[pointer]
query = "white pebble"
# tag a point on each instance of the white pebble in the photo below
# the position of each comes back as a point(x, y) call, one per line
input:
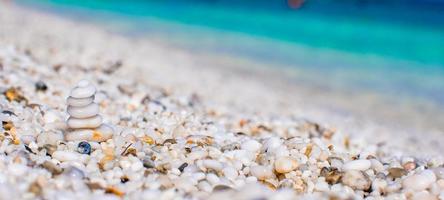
point(251, 145)
point(83, 92)
point(212, 164)
point(84, 111)
point(66, 156)
point(91, 122)
point(230, 173)
point(360, 165)
point(51, 116)
point(80, 102)
point(419, 182)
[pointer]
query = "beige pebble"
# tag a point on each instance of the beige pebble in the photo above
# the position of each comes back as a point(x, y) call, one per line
point(356, 179)
point(285, 164)
point(261, 172)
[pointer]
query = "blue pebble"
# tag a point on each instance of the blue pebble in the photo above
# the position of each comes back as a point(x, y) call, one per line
point(84, 148)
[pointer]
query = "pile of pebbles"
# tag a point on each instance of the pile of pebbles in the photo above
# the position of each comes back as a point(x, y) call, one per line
point(165, 145)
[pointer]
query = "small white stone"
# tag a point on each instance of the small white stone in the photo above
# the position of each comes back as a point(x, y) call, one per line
point(230, 173)
point(423, 195)
point(17, 169)
point(439, 172)
point(321, 186)
point(100, 134)
point(379, 185)
point(51, 116)
point(285, 164)
point(419, 182)
point(213, 178)
point(212, 164)
point(83, 83)
point(66, 156)
point(251, 145)
point(376, 165)
point(360, 165)
point(79, 102)
point(92, 122)
point(261, 172)
point(84, 111)
point(83, 92)
point(49, 138)
point(136, 166)
point(205, 186)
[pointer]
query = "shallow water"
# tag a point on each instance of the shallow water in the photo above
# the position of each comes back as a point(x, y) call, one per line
point(394, 51)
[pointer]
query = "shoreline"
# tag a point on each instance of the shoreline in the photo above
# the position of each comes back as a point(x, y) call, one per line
point(186, 127)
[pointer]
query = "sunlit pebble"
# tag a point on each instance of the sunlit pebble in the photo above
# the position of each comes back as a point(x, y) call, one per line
point(356, 180)
point(73, 172)
point(419, 182)
point(261, 172)
point(360, 165)
point(285, 164)
point(251, 145)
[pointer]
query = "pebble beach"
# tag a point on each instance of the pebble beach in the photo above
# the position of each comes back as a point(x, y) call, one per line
point(168, 128)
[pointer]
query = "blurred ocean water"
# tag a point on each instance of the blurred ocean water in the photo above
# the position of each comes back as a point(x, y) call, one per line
point(390, 47)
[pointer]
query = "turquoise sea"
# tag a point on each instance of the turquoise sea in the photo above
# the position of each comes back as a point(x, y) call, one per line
point(389, 47)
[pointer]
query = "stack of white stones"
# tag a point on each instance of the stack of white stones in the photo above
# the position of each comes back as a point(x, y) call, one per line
point(84, 120)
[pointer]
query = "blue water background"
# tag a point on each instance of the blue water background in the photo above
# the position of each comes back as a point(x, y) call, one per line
point(393, 47)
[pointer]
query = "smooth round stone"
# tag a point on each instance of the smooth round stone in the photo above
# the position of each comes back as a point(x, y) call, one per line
point(285, 164)
point(49, 138)
point(419, 182)
point(74, 172)
point(83, 92)
point(439, 172)
point(261, 172)
point(92, 122)
point(83, 83)
point(78, 102)
point(356, 180)
point(66, 155)
point(230, 173)
point(212, 164)
point(360, 165)
point(51, 116)
point(84, 112)
point(100, 134)
point(423, 195)
point(251, 145)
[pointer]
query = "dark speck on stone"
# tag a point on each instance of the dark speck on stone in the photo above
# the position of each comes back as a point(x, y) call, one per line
point(182, 167)
point(148, 163)
point(7, 112)
point(84, 148)
point(41, 86)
